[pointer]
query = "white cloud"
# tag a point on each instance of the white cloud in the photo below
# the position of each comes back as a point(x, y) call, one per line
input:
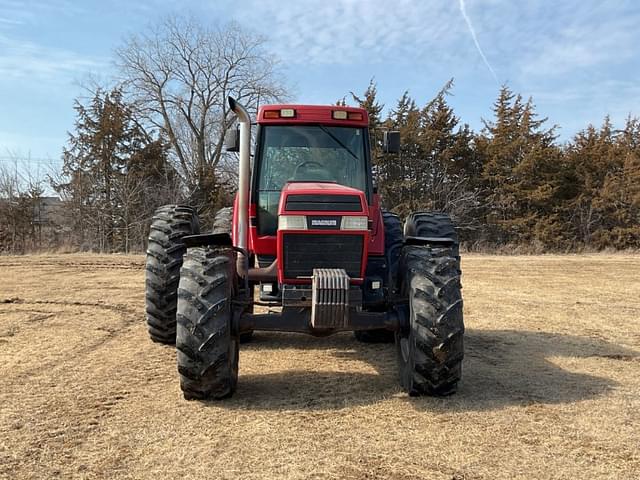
point(21, 58)
point(356, 31)
point(25, 59)
point(578, 59)
point(541, 38)
point(32, 11)
point(588, 103)
point(581, 46)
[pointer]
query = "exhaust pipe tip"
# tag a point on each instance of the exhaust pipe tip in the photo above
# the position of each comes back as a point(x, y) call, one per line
point(232, 103)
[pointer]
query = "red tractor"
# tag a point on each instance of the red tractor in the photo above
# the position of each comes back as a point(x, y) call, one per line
point(308, 232)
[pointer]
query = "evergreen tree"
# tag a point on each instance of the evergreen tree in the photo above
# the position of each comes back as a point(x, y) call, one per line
point(521, 165)
point(436, 160)
point(108, 171)
point(370, 103)
point(604, 210)
point(399, 172)
point(449, 165)
point(511, 183)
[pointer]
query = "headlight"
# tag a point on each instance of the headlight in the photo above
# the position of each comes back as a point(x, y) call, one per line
point(354, 223)
point(292, 222)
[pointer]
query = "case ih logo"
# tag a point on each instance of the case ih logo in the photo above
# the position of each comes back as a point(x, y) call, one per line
point(324, 222)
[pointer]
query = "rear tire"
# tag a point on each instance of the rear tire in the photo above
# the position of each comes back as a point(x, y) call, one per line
point(432, 225)
point(206, 343)
point(393, 240)
point(430, 347)
point(164, 258)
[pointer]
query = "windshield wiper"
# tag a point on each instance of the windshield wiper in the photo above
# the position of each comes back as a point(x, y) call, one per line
point(337, 140)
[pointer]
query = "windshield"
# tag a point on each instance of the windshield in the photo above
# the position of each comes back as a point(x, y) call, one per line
point(315, 153)
point(312, 153)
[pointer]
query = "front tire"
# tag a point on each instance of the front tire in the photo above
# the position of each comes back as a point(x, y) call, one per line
point(430, 347)
point(162, 270)
point(206, 342)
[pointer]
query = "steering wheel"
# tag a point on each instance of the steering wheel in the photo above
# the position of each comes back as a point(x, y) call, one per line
point(308, 163)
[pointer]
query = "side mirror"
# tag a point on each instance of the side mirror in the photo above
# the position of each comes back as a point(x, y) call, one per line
point(391, 142)
point(232, 140)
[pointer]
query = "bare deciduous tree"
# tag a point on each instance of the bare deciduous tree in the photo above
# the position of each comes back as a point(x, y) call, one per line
point(180, 74)
point(20, 209)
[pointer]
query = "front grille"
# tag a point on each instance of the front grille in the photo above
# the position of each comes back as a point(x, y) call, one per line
point(304, 252)
point(323, 203)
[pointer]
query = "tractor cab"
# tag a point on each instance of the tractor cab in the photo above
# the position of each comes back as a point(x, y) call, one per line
point(311, 202)
point(297, 152)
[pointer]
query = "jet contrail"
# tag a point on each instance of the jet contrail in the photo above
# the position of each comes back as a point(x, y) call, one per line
point(475, 39)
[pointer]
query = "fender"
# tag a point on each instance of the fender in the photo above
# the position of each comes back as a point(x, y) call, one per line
point(434, 241)
point(207, 240)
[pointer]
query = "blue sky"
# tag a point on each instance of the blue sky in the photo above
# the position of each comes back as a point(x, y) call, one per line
point(578, 59)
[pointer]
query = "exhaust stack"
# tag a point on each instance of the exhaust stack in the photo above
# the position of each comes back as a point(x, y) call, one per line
point(242, 265)
point(243, 183)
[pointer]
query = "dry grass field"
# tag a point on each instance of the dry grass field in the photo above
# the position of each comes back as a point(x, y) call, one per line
point(551, 384)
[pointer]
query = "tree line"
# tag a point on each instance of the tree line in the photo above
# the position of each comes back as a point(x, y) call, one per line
point(156, 136)
point(512, 184)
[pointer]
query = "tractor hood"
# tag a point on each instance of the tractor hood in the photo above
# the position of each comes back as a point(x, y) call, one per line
point(300, 198)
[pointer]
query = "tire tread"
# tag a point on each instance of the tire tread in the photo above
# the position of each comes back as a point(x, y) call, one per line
point(165, 250)
point(204, 331)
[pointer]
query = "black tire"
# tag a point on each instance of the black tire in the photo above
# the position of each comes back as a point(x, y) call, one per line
point(162, 270)
point(393, 240)
point(432, 224)
point(430, 347)
point(206, 343)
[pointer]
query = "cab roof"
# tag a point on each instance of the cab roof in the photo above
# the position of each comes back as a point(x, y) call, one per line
point(312, 114)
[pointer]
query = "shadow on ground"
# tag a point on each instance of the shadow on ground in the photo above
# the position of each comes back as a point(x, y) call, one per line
point(501, 368)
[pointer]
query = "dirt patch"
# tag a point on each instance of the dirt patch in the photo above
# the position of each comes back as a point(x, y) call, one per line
point(551, 384)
